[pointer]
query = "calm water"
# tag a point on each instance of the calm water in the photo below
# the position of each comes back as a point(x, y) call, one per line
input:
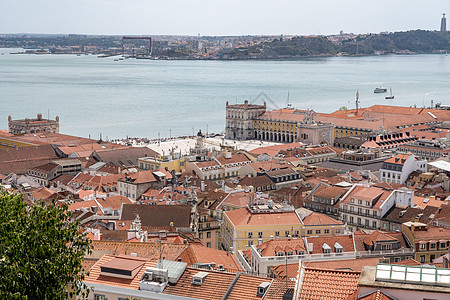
point(141, 98)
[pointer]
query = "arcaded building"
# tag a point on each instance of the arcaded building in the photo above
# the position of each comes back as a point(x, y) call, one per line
point(240, 120)
point(33, 125)
point(250, 121)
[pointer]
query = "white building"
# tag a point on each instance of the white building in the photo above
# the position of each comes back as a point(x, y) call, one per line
point(397, 169)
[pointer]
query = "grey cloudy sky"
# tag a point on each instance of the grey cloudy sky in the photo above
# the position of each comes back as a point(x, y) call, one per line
point(212, 17)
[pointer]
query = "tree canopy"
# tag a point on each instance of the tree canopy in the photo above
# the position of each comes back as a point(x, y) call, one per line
point(41, 251)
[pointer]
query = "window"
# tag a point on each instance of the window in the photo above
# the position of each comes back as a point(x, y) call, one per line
point(397, 259)
point(200, 235)
point(277, 233)
point(250, 243)
point(432, 245)
point(250, 235)
point(260, 234)
point(99, 297)
point(432, 257)
point(318, 231)
point(422, 259)
point(287, 233)
point(296, 233)
point(326, 231)
point(374, 224)
point(337, 231)
point(208, 244)
point(359, 201)
point(208, 234)
point(423, 246)
point(443, 245)
point(386, 247)
point(309, 231)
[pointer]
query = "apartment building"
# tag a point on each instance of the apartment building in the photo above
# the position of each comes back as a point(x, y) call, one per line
point(363, 205)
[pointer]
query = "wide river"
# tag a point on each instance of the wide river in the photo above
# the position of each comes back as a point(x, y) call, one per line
point(144, 98)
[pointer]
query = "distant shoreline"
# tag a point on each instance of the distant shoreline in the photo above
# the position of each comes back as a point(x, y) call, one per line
point(292, 58)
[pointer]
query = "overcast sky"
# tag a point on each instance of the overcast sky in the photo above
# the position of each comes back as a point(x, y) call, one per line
point(212, 17)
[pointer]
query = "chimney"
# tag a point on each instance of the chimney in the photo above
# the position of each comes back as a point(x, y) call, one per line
point(202, 186)
point(445, 261)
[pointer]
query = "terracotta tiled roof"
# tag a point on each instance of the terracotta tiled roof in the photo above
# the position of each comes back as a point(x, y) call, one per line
point(235, 158)
point(378, 236)
point(242, 217)
point(346, 241)
point(83, 204)
point(43, 193)
point(431, 233)
point(270, 248)
point(95, 276)
point(399, 159)
point(214, 285)
point(147, 250)
point(343, 265)
point(273, 150)
point(279, 288)
point(329, 192)
point(114, 202)
point(280, 271)
point(47, 138)
point(320, 219)
point(158, 215)
point(246, 287)
point(443, 214)
point(283, 115)
point(202, 254)
point(124, 157)
point(19, 160)
point(257, 181)
point(328, 284)
point(407, 262)
point(360, 237)
point(239, 199)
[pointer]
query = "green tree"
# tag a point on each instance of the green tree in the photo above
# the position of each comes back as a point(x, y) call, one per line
point(41, 251)
point(343, 108)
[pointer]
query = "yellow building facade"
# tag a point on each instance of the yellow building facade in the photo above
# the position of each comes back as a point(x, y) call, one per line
point(161, 162)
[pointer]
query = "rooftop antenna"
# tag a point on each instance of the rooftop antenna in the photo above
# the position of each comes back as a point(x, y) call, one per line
point(48, 114)
point(357, 101)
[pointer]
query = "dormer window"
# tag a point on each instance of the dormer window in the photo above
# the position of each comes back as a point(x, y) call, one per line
point(326, 248)
point(338, 248)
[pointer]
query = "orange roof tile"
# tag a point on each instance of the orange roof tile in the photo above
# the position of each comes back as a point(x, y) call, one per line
point(273, 150)
point(346, 241)
point(246, 286)
point(202, 254)
point(343, 265)
point(147, 250)
point(114, 202)
point(95, 276)
point(316, 218)
point(242, 217)
point(214, 285)
point(270, 248)
point(328, 284)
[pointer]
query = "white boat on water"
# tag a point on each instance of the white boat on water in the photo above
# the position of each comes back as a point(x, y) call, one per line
point(390, 96)
point(379, 90)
